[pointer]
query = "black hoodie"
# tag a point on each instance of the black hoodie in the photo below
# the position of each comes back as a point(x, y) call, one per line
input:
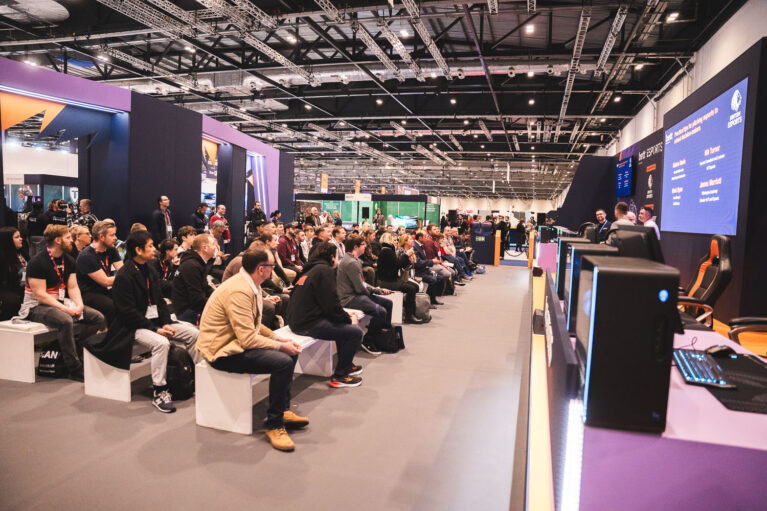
point(190, 287)
point(314, 298)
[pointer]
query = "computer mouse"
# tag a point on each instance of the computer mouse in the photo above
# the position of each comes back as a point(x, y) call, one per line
point(720, 351)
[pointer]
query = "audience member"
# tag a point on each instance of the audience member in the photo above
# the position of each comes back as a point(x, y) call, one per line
point(645, 216)
point(339, 235)
point(301, 242)
point(135, 227)
point(143, 318)
point(96, 265)
point(368, 259)
point(287, 249)
point(165, 264)
point(307, 244)
point(423, 268)
point(256, 218)
point(390, 265)
point(603, 225)
point(631, 217)
point(86, 218)
point(52, 297)
point(281, 275)
point(233, 338)
point(161, 224)
point(197, 219)
point(36, 223)
point(337, 218)
point(379, 220)
point(316, 311)
point(220, 216)
point(313, 218)
point(323, 233)
point(190, 289)
point(451, 255)
point(81, 237)
point(431, 251)
point(621, 210)
point(186, 235)
point(355, 293)
point(13, 269)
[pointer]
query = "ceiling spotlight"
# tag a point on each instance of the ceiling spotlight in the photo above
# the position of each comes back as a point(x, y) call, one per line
point(367, 135)
point(529, 29)
point(530, 74)
point(342, 123)
point(379, 101)
point(404, 122)
point(292, 39)
point(638, 66)
point(531, 101)
point(533, 148)
point(404, 33)
point(482, 146)
point(488, 154)
point(30, 62)
point(617, 99)
point(603, 119)
point(308, 107)
point(284, 125)
point(465, 122)
point(433, 74)
point(336, 159)
point(476, 136)
point(453, 101)
point(673, 16)
point(190, 49)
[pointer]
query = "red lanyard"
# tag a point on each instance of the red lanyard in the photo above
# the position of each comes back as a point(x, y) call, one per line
point(56, 267)
point(105, 267)
point(148, 293)
point(165, 267)
point(22, 262)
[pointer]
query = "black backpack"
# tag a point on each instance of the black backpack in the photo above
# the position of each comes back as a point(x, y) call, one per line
point(51, 363)
point(180, 373)
point(389, 340)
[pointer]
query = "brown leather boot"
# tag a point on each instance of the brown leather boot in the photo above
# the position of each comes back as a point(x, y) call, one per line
point(280, 439)
point(294, 421)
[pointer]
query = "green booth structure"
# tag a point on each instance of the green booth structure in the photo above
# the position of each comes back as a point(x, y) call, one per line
point(409, 211)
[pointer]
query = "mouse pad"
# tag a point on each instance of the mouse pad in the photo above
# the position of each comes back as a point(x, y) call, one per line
point(750, 375)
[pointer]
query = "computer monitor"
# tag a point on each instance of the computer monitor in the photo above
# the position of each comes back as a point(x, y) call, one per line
point(563, 255)
point(572, 279)
point(637, 241)
point(590, 233)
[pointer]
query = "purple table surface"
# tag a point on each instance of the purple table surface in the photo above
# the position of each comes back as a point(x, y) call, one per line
point(547, 257)
point(709, 457)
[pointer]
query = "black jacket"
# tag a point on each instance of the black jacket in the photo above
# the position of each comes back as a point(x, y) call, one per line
point(157, 226)
point(603, 230)
point(9, 275)
point(256, 217)
point(389, 265)
point(422, 264)
point(129, 294)
point(190, 287)
point(198, 222)
point(165, 275)
point(315, 298)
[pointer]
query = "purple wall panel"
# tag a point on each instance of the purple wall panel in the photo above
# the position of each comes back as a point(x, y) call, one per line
point(44, 81)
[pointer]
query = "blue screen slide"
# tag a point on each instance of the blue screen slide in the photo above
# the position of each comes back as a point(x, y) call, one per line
point(623, 178)
point(701, 167)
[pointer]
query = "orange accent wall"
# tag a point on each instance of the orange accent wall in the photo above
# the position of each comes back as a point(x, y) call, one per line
point(15, 108)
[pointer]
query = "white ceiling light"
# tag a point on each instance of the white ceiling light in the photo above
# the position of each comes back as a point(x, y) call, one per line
point(530, 74)
point(404, 33)
point(379, 101)
point(529, 29)
point(308, 107)
point(531, 101)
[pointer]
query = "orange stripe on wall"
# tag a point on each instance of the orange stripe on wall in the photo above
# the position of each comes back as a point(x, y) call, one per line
point(652, 167)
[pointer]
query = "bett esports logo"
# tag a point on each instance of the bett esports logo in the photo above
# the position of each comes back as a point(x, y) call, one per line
point(737, 99)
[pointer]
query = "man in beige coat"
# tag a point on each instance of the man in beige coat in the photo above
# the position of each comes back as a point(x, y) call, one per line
point(233, 339)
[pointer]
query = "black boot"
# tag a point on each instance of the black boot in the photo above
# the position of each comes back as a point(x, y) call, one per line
point(412, 320)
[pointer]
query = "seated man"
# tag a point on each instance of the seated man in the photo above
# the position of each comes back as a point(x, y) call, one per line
point(190, 289)
point(431, 251)
point(96, 265)
point(423, 269)
point(323, 233)
point(315, 311)
point(217, 264)
point(355, 293)
point(449, 254)
point(339, 235)
point(287, 249)
point(186, 235)
point(232, 338)
point(52, 297)
point(143, 318)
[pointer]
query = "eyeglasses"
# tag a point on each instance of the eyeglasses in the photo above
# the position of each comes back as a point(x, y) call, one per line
point(267, 265)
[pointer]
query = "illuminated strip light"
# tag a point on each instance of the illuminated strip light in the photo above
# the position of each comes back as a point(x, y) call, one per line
point(402, 51)
point(262, 172)
point(571, 480)
point(331, 10)
point(71, 102)
point(486, 131)
point(376, 50)
point(457, 144)
point(257, 14)
point(592, 314)
point(423, 32)
point(183, 15)
point(612, 36)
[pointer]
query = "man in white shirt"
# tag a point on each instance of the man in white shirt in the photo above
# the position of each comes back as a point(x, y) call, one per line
point(645, 216)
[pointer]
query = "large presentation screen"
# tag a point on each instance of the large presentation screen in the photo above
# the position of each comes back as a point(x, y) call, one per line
point(701, 167)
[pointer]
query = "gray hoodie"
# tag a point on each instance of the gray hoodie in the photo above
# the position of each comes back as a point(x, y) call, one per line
point(350, 281)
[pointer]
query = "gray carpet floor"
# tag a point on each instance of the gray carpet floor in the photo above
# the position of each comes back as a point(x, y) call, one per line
point(431, 427)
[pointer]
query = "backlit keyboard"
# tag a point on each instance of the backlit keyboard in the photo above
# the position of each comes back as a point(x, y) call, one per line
point(700, 368)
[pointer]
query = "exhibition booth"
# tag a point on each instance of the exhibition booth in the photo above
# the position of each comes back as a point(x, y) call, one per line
point(69, 138)
point(627, 402)
point(409, 211)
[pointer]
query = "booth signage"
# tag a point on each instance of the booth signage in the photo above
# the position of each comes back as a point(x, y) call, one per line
point(356, 186)
point(360, 197)
point(324, 183)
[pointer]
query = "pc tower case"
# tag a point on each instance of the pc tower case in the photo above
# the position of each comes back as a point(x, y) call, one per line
point(563, 254)
point(572, 276)
point(627, 316)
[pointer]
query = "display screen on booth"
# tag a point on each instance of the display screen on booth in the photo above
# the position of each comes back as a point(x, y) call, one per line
point(702, 164)
point(623, 177)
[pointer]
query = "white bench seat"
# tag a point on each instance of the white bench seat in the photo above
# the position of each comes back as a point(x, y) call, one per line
point(109, 382)
point(396, 298)
point(17, 351)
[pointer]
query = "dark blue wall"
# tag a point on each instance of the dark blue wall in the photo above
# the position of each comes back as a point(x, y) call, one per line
point(285, 195)
point(230, 190)
point(593, 187)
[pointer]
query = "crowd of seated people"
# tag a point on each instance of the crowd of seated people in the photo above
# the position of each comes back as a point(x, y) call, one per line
point(162, 286)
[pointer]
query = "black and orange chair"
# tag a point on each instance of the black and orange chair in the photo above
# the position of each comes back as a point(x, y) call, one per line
point(697, 300)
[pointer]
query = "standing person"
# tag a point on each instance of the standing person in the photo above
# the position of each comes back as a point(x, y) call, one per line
point(143, 318)
point(645, 216)
point(220, 216)
point(443, 222)
point(337, 219)
point(13, 271)
point(303, 246)
point(161, 227)
point(521, 232)
point(233, 338)
point(52, 297)
point(355, 293)
point(315, 311)
point(96, 266)
point(190, 289)
point(379, 220)
point(256, 218)
point(287, 249)
point(86, 217)
point(390, 264)
point(198, 220)
point(503, 226)
point(313, 218)
point(36, 222)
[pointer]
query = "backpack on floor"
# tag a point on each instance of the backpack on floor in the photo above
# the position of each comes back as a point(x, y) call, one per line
point(400, 337)
point(422, 306)
point(180, 373)
point(480, 269)
point(385, 340)
point(51, 362)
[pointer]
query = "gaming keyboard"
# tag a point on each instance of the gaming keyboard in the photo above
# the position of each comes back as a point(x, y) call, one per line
point(700, 368)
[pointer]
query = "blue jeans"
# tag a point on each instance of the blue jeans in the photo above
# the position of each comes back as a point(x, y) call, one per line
point(348, 338)
point(459, 265)
point(378, 308)
point(265, 361)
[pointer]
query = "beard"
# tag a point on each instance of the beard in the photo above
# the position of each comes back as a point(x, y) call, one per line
point(66, 247)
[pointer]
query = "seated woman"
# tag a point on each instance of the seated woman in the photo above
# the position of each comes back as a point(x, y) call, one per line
point(165, 264)
point(390, 264)
point(13, 267)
